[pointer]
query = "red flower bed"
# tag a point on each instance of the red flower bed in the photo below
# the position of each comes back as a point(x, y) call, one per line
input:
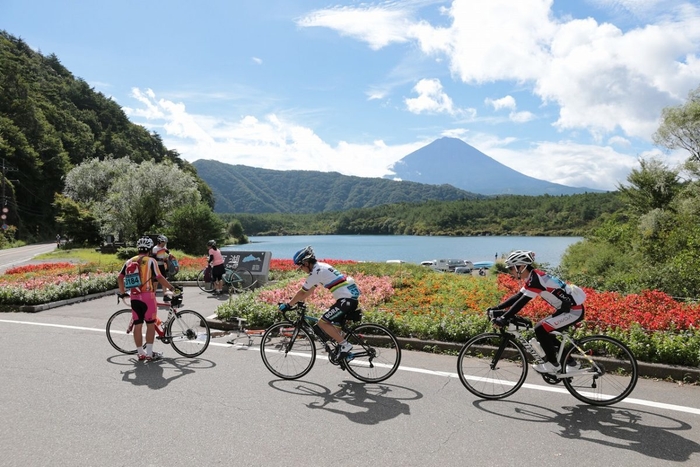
point(43, 268)
point(652, 310)
point(278, 264)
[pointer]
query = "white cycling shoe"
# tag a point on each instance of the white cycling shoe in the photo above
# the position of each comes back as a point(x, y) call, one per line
point(547, 367)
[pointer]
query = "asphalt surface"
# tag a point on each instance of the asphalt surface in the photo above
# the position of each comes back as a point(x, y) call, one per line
point(68, 398)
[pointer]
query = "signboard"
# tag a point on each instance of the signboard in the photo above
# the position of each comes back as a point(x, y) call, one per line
point(257, 262)
point(5, 226)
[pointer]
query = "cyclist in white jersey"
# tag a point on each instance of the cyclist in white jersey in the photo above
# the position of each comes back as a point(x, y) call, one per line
point(343, 288)
point(567, 299)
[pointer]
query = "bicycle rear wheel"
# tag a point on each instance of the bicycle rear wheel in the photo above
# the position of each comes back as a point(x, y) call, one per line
point(189, 333)
point(605, 371)
point(286, 351)
point(240, 280)
point(202, 284)
point(492, 366)
point(376, 353)
point(117, 335)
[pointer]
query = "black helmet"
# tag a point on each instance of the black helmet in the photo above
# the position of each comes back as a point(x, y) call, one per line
point(211, 243)
point(303, 255)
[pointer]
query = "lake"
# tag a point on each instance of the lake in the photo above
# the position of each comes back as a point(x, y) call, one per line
point(409, 248)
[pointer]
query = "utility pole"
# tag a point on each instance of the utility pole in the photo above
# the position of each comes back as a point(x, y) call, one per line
point(5, 209)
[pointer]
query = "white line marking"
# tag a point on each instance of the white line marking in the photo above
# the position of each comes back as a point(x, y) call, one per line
point(629, 400)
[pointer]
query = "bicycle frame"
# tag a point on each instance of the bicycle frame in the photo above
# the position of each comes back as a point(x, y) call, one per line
point(329, 345)
point(565, 339)
point(161, 326)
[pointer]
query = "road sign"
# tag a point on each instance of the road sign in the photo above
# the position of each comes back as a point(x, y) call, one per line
point(5, 210)
point(5, 226)
point(3, 217)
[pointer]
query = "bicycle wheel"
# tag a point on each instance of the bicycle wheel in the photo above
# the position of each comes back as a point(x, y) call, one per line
point(605, 372)
point(202, 284)
point(119, 334)
point(189, 333)
point(240, 280)
point(376, 353)
point(287, 352)
point(492, 366)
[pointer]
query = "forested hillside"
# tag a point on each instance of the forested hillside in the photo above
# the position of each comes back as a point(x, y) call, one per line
point(242, 189)
point(51, 121)
point(505, 215)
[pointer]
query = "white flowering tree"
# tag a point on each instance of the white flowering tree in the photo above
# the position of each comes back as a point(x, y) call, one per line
point(128, 198)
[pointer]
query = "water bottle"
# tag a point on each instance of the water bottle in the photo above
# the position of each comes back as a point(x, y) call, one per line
point(536, 345)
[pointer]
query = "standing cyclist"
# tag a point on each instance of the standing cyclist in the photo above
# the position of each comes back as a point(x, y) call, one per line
point(216, 261)
point(567, 300)
point(343, 288)
point(138, 275)
point(161, 254)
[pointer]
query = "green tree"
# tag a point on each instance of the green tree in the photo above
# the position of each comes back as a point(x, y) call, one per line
point(680, 126)
point(192, 226)
point(76, 221)
point(653, 186)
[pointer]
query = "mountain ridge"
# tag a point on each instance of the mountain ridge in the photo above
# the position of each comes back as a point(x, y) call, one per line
point(452, 161)
point(244, 189)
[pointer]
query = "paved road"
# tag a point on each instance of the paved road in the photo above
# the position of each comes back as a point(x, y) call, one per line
point(16, 256)
point(67, 398)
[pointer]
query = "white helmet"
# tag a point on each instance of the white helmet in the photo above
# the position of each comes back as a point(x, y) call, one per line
point(162, 239)
point(520, 257)
point(144, 243)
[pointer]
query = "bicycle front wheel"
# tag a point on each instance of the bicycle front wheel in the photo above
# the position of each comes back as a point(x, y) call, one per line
point(240, 280)
point(376, 353)
point(492, 366)
point(604, 372)
point(189, 333)
point(286, 351)
point(202, 284)
point(119, 332)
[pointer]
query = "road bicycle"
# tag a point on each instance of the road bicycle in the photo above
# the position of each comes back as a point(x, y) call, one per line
point(237, 280)
point(288, 348)
point(598, 370)
point(185, 330)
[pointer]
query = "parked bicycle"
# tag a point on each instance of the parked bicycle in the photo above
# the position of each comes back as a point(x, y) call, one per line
point(185, 330)
point(237, 280)
point(597, 370)
point(288, 348)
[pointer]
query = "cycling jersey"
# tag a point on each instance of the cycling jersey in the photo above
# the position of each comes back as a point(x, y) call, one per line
point(139, 273)
point(553, 290)
point(340, 285)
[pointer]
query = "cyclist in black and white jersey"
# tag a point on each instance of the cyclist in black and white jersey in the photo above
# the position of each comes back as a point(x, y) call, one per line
point(566, 299)
point(343, 288)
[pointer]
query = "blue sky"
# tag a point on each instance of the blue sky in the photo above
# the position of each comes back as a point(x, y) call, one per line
point(565, 91)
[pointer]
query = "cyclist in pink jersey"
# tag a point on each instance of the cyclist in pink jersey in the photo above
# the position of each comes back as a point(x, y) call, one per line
point(138, 275)
point(216, 261)
point(567, 299)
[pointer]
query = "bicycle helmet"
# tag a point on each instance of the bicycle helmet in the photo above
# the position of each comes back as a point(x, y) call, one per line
point(520, 257)
point(162, 239)
point(303, 255)
point(144, 243)
point(211, 243)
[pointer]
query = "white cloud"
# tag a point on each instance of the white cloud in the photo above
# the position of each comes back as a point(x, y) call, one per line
point(257, 60)
point(270, 142)
point(563, 162)
point(431, 98)
point(507, 102)
point(378, 26)
point(601, 78)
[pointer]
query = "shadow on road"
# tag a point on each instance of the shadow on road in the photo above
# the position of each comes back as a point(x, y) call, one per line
point(153, 374)
point(376, 402)
point(646, 433)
